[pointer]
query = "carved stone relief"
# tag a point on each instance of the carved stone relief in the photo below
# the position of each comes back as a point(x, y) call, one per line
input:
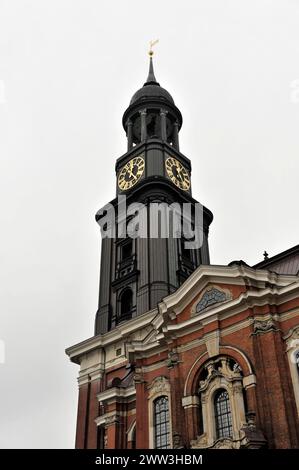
point(211, 296)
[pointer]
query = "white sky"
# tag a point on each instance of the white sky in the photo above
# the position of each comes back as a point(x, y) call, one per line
point(69, 69)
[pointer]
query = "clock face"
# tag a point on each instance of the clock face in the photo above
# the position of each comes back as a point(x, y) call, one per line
point(131, 173)
point(178, 174)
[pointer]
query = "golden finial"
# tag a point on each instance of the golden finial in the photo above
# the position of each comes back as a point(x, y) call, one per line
point(152, 44)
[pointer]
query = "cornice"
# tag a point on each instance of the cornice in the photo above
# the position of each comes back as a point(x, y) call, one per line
point(233, 275)
point(228, 309)
point(117, 334)
point(266, 288)
point(116, 393)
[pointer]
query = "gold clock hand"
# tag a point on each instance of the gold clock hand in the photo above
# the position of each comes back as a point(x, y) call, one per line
point(132, 174)
point(178, 171)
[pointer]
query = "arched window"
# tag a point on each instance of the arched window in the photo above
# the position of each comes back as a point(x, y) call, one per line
point(126, 304)
point(161, 423)
point(221, 405)
point(223, 416)
point(126, 250)
point(187, 254)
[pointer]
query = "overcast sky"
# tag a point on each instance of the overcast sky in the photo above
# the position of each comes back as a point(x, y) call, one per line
point(68, 69)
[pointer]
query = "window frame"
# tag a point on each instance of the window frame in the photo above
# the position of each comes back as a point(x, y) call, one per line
point(220, 434)
point(126, 314)
point(164, 421)
point(292, 343)
point(160, 386)
point(232, 383)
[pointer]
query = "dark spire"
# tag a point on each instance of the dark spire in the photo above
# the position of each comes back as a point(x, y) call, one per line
point(151, 79)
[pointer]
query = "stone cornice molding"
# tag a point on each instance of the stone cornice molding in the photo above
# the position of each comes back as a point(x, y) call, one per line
point(121, 332)
point(116, 394)
point(267, 288)
point(108, 419)
point(238, 275)
point(249, 299)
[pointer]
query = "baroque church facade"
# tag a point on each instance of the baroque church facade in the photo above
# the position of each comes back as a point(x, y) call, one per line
point(185, 354)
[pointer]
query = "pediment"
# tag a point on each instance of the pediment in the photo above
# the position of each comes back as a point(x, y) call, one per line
point(209, 293)
point(215, 287)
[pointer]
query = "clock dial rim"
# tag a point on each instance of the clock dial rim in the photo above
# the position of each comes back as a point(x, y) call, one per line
point(126, 184)
point(185, 184)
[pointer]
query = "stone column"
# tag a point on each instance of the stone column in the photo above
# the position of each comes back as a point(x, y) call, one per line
point(163, 113)
point(93, 411)
point(278, 422)
point(191, 411)
point(143, 125)
point(130, 134)
point(177, 411)
point(90, 384)
point(237, 407)
point(81, 434)
point(176, 135)
point(88, 409)
point(142, 425)
point(249, 384)
point(112, 435)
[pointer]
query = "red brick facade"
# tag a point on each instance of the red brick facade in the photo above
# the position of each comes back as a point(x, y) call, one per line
point(186, 350)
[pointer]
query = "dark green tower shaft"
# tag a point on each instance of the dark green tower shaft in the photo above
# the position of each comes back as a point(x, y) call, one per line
point(136, 273)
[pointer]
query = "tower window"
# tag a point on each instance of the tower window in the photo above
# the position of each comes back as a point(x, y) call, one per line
point(223, 416)
point(187, 228)
point(186, 252)
point(126, 250)
point(126, 304)
point(161, 423)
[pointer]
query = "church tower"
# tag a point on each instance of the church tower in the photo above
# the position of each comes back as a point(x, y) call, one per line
point(137, 272)
point(185, 355)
